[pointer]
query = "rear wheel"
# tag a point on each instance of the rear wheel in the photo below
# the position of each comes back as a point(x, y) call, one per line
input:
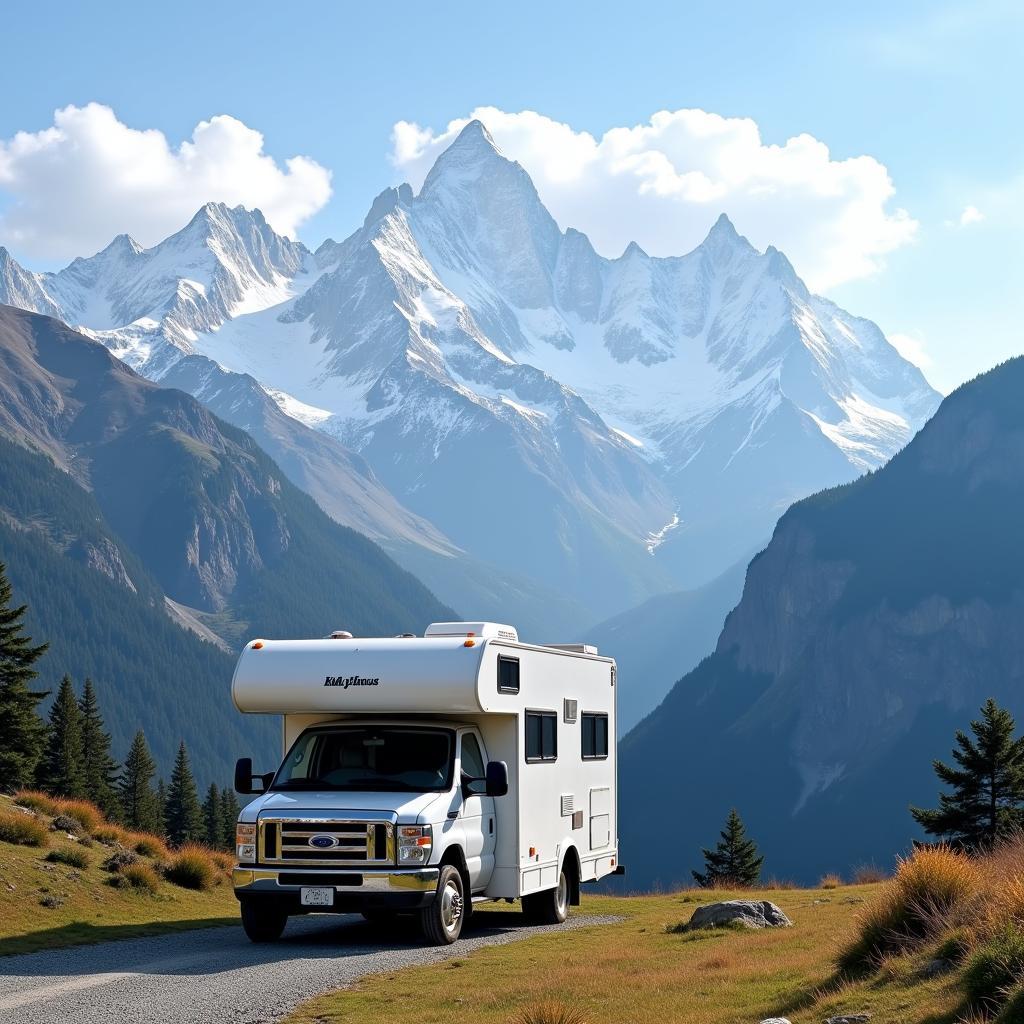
point(442, 921)
point(263, 921)
point(550, 906)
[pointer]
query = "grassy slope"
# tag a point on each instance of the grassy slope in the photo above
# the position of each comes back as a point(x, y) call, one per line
point(633, 971)
point(91, 909)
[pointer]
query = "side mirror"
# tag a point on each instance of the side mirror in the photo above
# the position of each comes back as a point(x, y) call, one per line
point(497, 778)
point(244, 777)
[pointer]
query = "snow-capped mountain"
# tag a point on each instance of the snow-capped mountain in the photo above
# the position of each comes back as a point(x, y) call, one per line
point(611, 427)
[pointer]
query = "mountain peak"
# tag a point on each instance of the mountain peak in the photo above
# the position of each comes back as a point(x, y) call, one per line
point(475, 134)
point(468, 158)
point(724, 238)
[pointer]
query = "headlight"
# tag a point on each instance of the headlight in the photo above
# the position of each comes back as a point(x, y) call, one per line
point(415, 843)
point(245, 842)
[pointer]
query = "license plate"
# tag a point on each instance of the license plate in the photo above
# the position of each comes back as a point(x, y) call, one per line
point(319, 897)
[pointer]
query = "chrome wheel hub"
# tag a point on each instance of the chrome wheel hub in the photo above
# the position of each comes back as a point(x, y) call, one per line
point(451, 906)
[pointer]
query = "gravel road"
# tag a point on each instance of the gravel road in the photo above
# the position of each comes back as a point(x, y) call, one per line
point(217, 975)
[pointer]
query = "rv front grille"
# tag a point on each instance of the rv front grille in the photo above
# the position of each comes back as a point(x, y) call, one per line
point(323, 843)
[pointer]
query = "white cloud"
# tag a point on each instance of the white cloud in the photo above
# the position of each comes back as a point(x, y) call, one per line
point(71, 187)
point(663, 183)
point(970, 215)
point(912, 347)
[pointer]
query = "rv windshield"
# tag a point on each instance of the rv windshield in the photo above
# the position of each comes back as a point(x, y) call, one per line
point(381, 758)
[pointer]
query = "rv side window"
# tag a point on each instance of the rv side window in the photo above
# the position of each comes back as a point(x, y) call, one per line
point(508, 674)
point(595, 735)
point(541, 736)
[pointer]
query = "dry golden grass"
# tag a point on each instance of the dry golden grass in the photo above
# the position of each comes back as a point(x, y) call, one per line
point(87, 814)
point(191, 867)
point(83, 906)
point(830, 881)
point(139, 876)
point(631, 971)
point(36, 800)
point(868, 874)
point(551, 1013)
point(930, 893)
point(22, 828)
point(147, 845)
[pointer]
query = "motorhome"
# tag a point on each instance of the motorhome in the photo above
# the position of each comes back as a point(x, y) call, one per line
point(423, 775)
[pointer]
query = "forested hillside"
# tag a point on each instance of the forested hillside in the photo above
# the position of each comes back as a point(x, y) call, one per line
point(133, 493)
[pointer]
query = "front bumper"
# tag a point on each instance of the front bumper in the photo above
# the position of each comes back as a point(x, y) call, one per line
point(354, 891)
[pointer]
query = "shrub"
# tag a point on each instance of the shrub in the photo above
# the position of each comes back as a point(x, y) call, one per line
point(551, 1013)
point(920, 902)
point(830, 881)
point(65, 823)
point(111, 835)
point(223, 860)
point(71, 856)
point(22, 829)
point(88, 815)
point(137, 876)
point(994, 968)
point(120, 860)
point(148, 845)
point(780, 884)
point(36, 800)
point(191, 867)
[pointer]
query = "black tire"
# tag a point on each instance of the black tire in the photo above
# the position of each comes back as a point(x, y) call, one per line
point(263, 921)
point(441, 922)
point(550, 906)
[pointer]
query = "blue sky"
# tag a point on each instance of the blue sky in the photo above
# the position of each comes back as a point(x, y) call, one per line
point(929, 91)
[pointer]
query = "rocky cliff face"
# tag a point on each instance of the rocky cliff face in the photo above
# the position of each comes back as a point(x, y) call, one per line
point(881, 614)
point(211, 517)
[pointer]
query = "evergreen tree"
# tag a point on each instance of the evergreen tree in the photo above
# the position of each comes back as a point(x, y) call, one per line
point(229, 811)
point(99, 769)
point(987, 798)
point(161, 806)
point(211, 816)
point(135, 788)
point(61, 770)
point(22, 731)
point(184, 815)
point(734, 862)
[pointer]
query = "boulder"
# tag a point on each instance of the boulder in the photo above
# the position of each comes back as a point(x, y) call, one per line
point(751, 913)
point(775, 1020)
point(850, 1018)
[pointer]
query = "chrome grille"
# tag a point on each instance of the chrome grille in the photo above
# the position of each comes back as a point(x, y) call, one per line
point(356, 843)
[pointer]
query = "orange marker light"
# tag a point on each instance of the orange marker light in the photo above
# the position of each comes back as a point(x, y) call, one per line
point(257, 645)
point(533, 851)
point(469, 643)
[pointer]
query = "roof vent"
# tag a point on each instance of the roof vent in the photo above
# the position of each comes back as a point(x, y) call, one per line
point(485, 630)
point(340, 634)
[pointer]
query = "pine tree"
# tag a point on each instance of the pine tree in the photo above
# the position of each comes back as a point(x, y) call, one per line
point(99, 768)
point(211, 816)
point(62, 768)
point(734, 862)
point(22, 731)
point(987, 798)
point(229, 811)
point(135, 788)
point(184, 815)
point(161, 806)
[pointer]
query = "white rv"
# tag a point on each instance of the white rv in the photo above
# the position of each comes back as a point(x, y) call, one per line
point(424, 774)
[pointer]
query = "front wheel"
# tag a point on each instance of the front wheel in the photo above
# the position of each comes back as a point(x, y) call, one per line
point(442, 921)
point(263, 922)
point(550, 906)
